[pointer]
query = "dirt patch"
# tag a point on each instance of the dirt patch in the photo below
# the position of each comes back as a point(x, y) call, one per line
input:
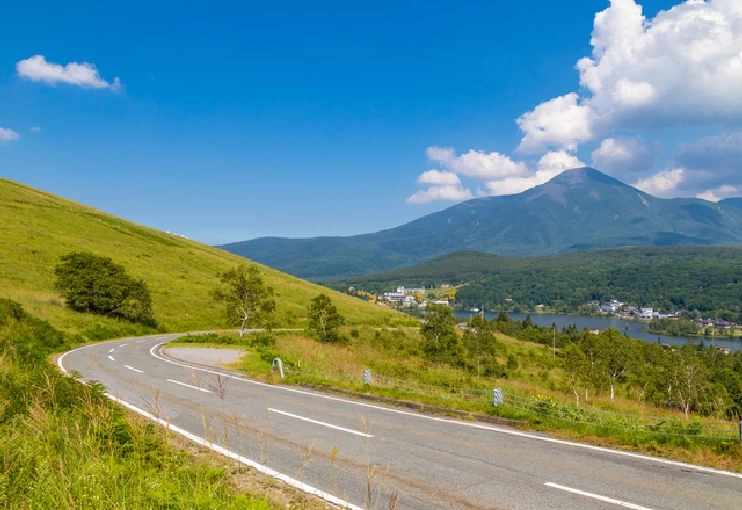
point(208, 356)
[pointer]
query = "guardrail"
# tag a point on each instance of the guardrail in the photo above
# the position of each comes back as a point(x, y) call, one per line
point(544, 407)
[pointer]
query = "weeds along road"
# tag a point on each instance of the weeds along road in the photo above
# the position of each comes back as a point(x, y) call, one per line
point(358, 454)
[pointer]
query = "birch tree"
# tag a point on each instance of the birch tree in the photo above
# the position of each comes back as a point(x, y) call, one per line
point(248, 301)
point(324, 318)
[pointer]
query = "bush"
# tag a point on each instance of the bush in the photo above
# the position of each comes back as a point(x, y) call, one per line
point(93, 284)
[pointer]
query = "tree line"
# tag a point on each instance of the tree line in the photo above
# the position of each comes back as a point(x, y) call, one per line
point(693, 378)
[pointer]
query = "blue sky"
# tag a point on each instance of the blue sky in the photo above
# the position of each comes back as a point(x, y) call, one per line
point(230, 122)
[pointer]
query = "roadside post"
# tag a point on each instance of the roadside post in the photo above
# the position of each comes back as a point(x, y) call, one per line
point(280, 366)
point(367, 377)
point(497, 397)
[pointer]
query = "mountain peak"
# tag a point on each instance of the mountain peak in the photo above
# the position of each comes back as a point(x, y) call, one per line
point(585, 175)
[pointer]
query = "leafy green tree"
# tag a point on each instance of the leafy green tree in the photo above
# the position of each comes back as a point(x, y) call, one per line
point(479, 342)
point(248, 301)
point(574, 368)
point(620, 354)
point(94, 284)
point(439, 334)
point(324, 319)
point(688, 377)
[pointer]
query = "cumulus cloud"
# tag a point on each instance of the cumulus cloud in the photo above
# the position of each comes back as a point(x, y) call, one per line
point(438, 178)
point(8, 135)
point(36, 129)
point(476, 164)
point(625, 158)
point(37, 68)
point(682, 67)
point(447, 192)
point(549, 166)
point(498, 174)
point(720, 193)
point(663, 183)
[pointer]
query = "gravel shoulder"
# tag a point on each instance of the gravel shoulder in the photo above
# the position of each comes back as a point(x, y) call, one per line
point(209, 356)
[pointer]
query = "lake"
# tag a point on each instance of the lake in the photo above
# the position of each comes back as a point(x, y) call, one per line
point(635, 329)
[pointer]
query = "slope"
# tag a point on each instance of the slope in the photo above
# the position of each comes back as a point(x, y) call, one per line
point(38, 228)
point(577, 210)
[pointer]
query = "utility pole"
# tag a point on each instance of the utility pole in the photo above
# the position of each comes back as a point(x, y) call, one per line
point(555, 340)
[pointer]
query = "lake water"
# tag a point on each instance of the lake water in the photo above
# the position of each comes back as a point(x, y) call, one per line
point(635, 328)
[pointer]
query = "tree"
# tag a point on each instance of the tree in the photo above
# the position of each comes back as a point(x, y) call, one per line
point(574, 367)
point(688, 376)
point(620, 354)
point(248, 301)
point(324, 319)
point(439, 333)
point(479, 341)
point(94, 284)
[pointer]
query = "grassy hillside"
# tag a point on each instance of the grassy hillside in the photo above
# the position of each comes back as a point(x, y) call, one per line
point(38, 228)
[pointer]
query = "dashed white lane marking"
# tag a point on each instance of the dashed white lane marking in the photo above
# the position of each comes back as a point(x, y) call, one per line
point(291, 482)
point(111, 358)
point(122, 345)
point(139, 342)
point(134, 369)
point(605, 499)
point(324, 424)
point(112, 350)
point(188, 385)
point(511, 432)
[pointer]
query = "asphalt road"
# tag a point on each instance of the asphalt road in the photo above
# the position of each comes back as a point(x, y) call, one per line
point(348, 450)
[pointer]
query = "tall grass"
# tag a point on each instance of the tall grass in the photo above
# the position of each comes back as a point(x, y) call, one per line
point(64, 445)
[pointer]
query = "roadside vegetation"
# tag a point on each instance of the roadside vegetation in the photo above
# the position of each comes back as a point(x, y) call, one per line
point(66, 446)
point(690, 389)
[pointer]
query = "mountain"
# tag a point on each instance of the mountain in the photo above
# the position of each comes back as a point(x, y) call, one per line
point(579, 209)
point(38, 228)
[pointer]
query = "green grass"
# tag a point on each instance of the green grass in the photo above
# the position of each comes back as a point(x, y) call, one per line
point(399, 371)
point(64, 445)
point(38, 228)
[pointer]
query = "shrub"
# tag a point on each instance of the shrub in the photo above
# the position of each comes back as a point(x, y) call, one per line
point(95, 284)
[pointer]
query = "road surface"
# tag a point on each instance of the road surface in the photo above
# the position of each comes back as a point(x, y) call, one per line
point(345, 450)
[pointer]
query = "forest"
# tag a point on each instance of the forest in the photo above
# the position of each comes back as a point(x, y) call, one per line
point(706, 282)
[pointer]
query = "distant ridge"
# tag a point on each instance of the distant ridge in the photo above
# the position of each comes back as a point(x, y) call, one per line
point(580, 209)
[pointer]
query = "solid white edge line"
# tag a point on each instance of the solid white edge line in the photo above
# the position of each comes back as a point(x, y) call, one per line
point(260, 468)
point(188, 385)
point(460, 423)
point(605, 499)
point(111, 358)
point(134, 369)
point(324, 424)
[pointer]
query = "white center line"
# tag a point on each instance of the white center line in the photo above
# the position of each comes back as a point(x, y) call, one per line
point(134, 369)
point(139, 342)
point(328, 425)
point(111, 358)
point(112, 350)
point(597, 496)
point(188, 385)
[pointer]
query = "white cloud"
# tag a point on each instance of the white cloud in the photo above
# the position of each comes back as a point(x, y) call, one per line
point(662, 183)
point(560, 122)
point(722, 192)
point(82, 74)
point(36, 129)
point(682, 67)
point(625, 157)
point(549, 166)
point(476, 164)
point(447, 192)
point(438, 178)
point(8, 135)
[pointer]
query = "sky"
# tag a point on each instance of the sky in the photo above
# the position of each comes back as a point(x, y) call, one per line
point(240, 120)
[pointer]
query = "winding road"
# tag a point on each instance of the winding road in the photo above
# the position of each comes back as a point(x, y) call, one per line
point(358, 454)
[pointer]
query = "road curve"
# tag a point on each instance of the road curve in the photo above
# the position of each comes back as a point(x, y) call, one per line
point(345, 450)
